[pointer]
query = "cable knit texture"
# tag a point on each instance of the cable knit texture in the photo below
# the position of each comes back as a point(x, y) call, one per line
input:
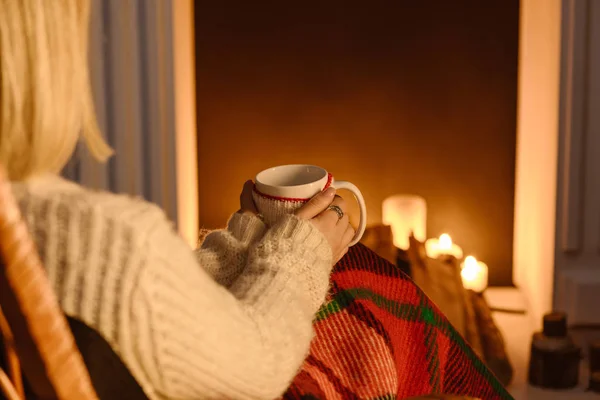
point(232, 320)
point(273, 209)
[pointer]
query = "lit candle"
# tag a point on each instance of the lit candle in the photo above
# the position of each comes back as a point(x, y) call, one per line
point(442, 247)
point(474, 274)
point(405, 214)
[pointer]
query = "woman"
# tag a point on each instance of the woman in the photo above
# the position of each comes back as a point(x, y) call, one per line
point(232, 320)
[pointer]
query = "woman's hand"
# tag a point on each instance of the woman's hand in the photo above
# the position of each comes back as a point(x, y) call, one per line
point(246, 201)
point(337, 231)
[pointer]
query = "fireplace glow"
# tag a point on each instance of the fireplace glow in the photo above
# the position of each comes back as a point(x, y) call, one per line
point(443, 247)
point(406, 214)
point(474, 274)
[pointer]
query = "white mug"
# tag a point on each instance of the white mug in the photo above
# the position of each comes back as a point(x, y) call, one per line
point(284, 188)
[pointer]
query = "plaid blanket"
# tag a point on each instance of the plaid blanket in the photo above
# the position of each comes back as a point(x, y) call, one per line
point(379, 337)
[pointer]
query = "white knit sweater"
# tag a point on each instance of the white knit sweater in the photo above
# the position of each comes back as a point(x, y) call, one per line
point(233, 320)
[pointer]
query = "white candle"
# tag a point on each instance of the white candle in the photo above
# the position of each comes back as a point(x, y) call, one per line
point(442, 247)
point(474, 274)
point(405, 214)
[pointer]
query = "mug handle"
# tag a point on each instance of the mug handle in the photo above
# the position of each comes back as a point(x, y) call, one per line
point(362, 224)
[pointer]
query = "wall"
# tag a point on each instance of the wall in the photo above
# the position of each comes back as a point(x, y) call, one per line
point(537, 149)
point(185, 119)
point(397, 96)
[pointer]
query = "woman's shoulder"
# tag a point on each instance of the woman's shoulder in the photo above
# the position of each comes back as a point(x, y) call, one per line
point(46, 199)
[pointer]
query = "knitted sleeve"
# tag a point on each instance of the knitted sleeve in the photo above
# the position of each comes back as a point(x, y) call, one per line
point(223, 253)
point(197, 339)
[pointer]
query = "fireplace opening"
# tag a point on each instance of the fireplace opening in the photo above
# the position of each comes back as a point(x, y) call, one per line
point(398, 97)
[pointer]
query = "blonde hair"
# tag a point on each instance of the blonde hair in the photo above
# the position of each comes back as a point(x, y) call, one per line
point(46, 102)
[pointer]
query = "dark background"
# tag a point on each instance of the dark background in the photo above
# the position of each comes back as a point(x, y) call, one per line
point(396, 96)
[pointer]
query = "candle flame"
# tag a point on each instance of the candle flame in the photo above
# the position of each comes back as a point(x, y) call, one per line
point(470, 261)
point(468, 274)
point(470, 268)
point(474, 274)
point(445, 241)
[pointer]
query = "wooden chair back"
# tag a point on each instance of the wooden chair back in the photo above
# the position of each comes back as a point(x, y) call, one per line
point(34, 330)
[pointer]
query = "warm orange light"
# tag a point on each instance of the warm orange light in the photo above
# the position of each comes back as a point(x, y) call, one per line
point(474, 274)
point(185, 120)
point(445, 242)
point(406, 214)
point(539, 105)
point(442, 247)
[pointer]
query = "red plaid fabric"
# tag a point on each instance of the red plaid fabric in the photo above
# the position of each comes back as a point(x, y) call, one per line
point(379, 337)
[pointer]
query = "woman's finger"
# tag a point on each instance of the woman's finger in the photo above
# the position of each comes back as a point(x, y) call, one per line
point(348, 235)
point(330, 215)
point(246, 200)
point(316, 205)
point(343, 222)
point(341, 255)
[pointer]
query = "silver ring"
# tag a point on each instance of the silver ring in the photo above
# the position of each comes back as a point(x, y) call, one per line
point(338, 211)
